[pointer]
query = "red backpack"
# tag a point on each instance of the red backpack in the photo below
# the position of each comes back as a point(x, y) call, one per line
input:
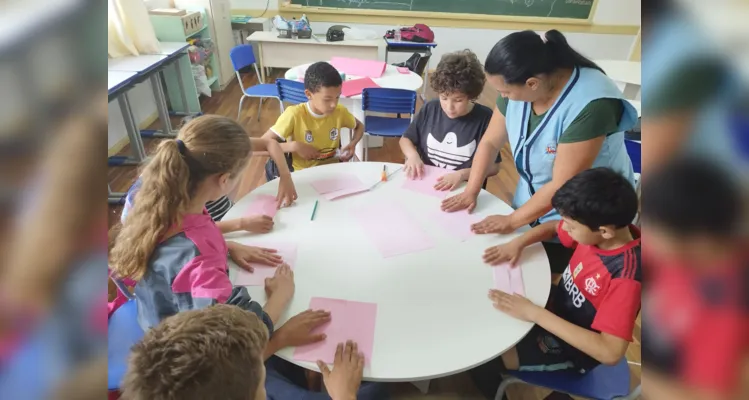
point(419, 33)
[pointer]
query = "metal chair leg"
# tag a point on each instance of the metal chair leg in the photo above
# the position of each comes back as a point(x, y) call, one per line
point(239, 112)
point(506, 381)
point(259, 107)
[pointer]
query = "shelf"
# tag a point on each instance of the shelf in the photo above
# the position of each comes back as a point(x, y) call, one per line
point(196, 33)
point(212, 80)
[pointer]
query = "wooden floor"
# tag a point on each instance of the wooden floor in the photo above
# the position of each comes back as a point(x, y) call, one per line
point(502, 185)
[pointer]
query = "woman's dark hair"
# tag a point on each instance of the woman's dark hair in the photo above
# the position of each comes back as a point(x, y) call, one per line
point(522, 55)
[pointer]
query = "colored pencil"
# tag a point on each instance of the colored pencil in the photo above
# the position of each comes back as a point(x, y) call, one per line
point(314, 210)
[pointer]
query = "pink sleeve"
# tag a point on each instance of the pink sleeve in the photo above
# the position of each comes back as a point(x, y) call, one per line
point(204, 277)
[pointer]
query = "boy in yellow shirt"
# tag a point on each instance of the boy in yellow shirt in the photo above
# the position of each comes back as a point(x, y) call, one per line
point(311, 131)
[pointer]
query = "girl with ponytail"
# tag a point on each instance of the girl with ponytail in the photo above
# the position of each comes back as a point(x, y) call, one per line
point(170, 245)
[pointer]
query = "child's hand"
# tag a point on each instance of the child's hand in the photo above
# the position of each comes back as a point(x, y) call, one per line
point(256, 224)
point(514, 305)
point(343, 382)
point(414, 168)
point(244, 256)
point(306, 151)
point(449, 181)
point(281, 284)
point(297, 331)
point(508, 252)
point(348, 152)
point(495, 224)
point(286, 192)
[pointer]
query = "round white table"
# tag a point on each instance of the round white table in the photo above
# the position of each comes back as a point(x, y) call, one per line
point(391, 79)
point(433, 315)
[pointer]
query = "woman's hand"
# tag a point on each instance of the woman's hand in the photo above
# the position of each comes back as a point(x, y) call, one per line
point(286, 192)
point(504, 253)
point(514, 305)
point(414, 168)
point(348, 368)
point(256, 224)
point(245, 256)
point(449, 181)
point(495, 224)
point(463, 201)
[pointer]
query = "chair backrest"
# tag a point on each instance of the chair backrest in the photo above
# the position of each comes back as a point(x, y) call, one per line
point(124, 332)
point(395, 101)
point(241, 56)
point(291, 91)
point(634, 149)
point(602, 382)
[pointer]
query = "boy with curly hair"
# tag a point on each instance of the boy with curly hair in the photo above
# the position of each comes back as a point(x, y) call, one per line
point(446, 132)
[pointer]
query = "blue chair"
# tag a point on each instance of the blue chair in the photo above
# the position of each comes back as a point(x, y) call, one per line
point(124, 332)
point(391, 101)
point(602, 383)
point(634, 149)
point(291, 92)
point(241, 57)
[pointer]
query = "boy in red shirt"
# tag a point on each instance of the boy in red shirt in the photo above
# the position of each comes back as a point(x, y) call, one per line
point(593, 310)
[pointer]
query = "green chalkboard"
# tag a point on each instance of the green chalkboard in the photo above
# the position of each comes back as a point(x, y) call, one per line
point(577, 9)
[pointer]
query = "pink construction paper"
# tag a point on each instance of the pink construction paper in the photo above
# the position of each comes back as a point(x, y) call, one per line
point(392, 229)
point(263, 204)
point(336, 183)
point(355, 87)
point(509, 279)
point(350, 320)
point(404, 70)
point(287, 251)
point(426, 184)
point(345, 192)
point(357, 67)
point(457, 224)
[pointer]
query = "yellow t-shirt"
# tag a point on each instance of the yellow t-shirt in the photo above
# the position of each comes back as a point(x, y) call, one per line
point(299, 123)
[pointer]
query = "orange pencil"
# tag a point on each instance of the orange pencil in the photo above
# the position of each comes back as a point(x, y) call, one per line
point(384, 177)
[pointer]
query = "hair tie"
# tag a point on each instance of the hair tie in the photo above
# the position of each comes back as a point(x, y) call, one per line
point(181, 147)
point(543, 37)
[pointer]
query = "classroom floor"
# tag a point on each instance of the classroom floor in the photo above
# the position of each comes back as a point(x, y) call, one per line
point(502, 185)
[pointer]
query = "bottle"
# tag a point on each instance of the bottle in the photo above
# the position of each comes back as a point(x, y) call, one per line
point(397, 34)
point(293, 29)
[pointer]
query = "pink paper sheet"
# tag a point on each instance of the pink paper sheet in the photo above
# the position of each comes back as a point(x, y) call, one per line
point(357, 67)
point(287, 251)
point(355, 87)
point(404, 70)
point(263, 204)
point(339, 186)
point(350, 320)
point(458, 223)
point(509, 279)
point(426, 184)
point(392, 229)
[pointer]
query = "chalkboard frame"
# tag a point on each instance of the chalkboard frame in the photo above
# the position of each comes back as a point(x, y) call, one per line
point(284, 6)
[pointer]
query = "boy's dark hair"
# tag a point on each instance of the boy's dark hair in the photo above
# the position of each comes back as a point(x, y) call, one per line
point(321, 74)
point(690, 196)
point(459, 72)
point(597, 197)
point(211, 353)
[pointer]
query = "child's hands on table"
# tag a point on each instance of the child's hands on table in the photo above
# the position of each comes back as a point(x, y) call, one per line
point(297, 331)
point(514, 305)
point(281, 284)
point(286, 192)
point(495, 224)
point(244, 256)
point(256, 224)
point(414, 168)
point(508, 252)
point(344, 380)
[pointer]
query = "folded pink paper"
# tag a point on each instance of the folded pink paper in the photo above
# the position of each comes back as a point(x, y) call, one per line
point(338, 194)
point(392, 229)
point(357, 67)
point(404, 70)
point(426, 183)
point(457, 224)
point(339, 186)
point(287, 251)
point(509, 279)
point(263, 204)
point(349, 320)
point(355, 87)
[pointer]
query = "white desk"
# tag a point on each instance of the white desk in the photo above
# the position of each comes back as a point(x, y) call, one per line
point(391, 79)
point(433, 315)
point(287, 53)
point(627, 72)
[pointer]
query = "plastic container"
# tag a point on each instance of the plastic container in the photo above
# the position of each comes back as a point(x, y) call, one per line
point(397, 34)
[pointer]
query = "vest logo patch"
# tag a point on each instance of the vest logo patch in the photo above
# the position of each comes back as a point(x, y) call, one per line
point(308, 137)
point(551, 149)
point(333, 134)
point(578, 299)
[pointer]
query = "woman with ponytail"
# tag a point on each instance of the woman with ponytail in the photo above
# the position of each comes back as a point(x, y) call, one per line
point(561, 115)
point(170, 245)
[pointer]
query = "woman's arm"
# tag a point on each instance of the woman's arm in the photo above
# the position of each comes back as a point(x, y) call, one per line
point(484, 160)
point(571, 159)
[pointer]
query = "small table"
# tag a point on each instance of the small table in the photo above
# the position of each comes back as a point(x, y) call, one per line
point(627, 72)
point(119, 83)
point(433, 315)
point(392, 79)
point(400, 46)
point(286, 53)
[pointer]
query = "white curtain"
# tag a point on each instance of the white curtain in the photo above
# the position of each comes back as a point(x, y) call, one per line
point(130, 29)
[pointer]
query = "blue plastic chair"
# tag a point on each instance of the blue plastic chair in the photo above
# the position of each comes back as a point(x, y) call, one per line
point(241, 57)
point(124, 332)
point(391, 101)
point(634, 149)
point(602, 383)
point(291, 92)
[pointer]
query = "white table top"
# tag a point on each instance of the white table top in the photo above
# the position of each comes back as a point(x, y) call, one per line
point(272, 37)
point(135, 63)
point(433, 315)
point(169, 48)
point(391, 79)
point(116, 78)
point(622, 71)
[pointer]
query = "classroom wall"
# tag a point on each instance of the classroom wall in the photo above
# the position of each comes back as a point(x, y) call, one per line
point(593, 45)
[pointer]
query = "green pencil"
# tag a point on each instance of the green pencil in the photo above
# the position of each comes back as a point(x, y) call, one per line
point(314, 210)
